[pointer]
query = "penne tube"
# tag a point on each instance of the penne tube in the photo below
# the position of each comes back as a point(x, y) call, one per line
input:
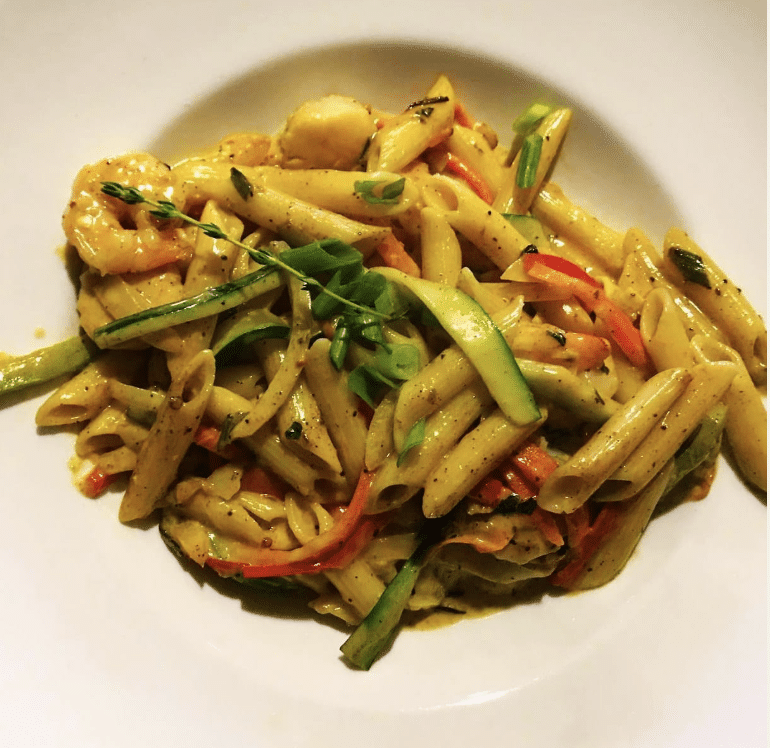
point(295, 220)
point(480, 224)
point(212, 264)
point(566, 219)
point(641, 275)
point(110, 430)
point(746, 426)
point(169, 439)
point(471, 459)
point(287, 374)
point(709, 383)
point(663, 332)
point(514, 199)
point(473, 150)
point(614, 552)
point(440, 249)
point(687, 265)
point(404, 137)
point(85, 395)
point(397, 480)
point(575, 481)
point(379, 437)
point(276, 456)
point(340, 191)
point(358, 585)
point(560, 386)
point(339, 409)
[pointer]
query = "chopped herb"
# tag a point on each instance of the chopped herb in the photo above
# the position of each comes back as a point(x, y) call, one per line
point(559, 337)
point(690, 265)
point(230, 422)
point(388, 195)
point(428, 102)
point(414, 438)
point(513, 504)
point(294, 431)
point(242, 185)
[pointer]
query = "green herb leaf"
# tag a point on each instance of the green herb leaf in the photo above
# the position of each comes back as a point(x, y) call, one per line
point(129, 195)
point(530, 158)
point(388, 195)
point(368, 383)
point(400, 361)
point(324, 256)
point(691, 266)
point(242, 185)
point(414, 438)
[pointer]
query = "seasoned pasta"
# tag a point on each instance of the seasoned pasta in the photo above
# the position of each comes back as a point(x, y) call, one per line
point(384, 361)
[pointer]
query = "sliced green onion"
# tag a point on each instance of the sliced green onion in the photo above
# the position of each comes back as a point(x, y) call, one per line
point(526, 174)
point(528, 121)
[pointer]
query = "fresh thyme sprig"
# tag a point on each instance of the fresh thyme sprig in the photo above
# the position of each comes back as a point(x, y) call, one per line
point(167, 210)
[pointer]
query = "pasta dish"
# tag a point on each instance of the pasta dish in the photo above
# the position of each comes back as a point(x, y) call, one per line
point(383, 361)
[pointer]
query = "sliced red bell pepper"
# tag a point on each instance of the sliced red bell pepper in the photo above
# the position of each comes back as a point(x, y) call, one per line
point(207, 436)
point(97, 482)
point(462, 117)
point(548, 525)
point(474, 180)
point(534, 463)
point(557, 271)
point(332, 549)
point(259, 480)
point(606, 522)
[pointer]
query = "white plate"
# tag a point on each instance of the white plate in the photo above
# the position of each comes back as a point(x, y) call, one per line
point(106, 640)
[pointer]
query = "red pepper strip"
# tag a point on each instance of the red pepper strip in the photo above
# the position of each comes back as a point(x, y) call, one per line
point(516, 481)
point(546, 523)
point(394, 255)
point(462, 117)
point(605, 524)
point(534, 463)
point(559, 272)
point(331, 547)
point(97, 482)
point(490, 491)
point(475, 181)
point(258, 480)
point(208, 438)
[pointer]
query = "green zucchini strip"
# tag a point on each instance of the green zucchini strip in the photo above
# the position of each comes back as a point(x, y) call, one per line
point(205, 304)
point(45, 364)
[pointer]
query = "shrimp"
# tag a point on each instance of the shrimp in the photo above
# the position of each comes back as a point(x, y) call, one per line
point(113, 237)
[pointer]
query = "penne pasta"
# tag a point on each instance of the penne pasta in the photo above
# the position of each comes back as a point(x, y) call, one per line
point(383, 361)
